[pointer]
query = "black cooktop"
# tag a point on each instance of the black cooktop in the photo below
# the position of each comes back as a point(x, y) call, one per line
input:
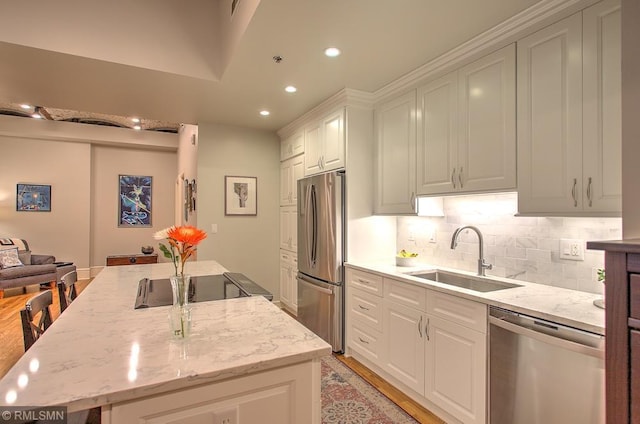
point(202, 288)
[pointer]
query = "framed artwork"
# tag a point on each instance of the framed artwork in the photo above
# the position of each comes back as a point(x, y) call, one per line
point(33, 198)
point(240, 195)
point(134, 205)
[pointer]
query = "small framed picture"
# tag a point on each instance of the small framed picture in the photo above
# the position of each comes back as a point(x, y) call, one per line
point(33, 198)
point(240, 195)
point(134, 204)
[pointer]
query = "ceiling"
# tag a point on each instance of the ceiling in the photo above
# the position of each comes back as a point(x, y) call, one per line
point(190, 62)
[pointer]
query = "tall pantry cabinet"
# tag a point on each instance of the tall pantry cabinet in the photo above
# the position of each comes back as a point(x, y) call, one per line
point(569, 111)
point(291, 170)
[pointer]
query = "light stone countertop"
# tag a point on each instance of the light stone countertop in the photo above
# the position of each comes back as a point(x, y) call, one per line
point(101, 350)
point(569, 307)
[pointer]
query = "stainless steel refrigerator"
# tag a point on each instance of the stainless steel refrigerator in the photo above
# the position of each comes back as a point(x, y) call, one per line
point(321, 246)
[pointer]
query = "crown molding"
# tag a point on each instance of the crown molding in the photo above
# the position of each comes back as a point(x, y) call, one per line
point(518, 26)
point(529, 20)
point(344, 97)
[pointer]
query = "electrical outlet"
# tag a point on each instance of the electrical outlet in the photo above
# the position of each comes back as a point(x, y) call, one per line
point(226, 416)
point(432, 236)
point(412, 236)
point(572, 249)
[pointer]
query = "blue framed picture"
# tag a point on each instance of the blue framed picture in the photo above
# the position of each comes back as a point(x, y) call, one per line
point(135, 201)
point(33, 198)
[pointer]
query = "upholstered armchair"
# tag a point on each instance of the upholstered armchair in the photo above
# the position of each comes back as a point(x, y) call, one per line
point(28, 269)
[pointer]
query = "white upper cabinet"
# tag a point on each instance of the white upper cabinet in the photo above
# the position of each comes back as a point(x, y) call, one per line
point(602, 103)
point(395, 156)
point(569, 115)
point(466, 128)
point(291, 170)
point(292, 146)
point(325, 144)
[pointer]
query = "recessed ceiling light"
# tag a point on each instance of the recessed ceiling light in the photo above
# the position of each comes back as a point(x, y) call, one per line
point(290, 89)
point(332, 51)
point(25, 106)
point(265, 113)
point(135, 120)
point(137, 127)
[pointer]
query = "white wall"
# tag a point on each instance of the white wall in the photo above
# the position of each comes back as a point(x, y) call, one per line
point(64, 232)
point(187, 169)
point(245, 244)
point(107, 164)
point(524, 248)
point(82, 163)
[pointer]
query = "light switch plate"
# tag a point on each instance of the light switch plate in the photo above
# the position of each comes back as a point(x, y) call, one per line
point(572, 249)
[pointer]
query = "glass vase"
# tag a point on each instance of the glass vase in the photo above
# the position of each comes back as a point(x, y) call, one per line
point(180, 312)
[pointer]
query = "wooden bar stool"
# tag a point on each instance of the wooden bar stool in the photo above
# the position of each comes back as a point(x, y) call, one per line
point(67, 291)
point(37, 304)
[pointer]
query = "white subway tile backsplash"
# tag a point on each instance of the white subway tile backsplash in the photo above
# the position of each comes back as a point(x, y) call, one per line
point(525, 248)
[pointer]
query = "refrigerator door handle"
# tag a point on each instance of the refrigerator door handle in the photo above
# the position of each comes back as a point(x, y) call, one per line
point(307, 223)
point(314, 219)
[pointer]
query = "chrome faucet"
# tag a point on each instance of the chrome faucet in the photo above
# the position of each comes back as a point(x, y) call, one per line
point(482, 265)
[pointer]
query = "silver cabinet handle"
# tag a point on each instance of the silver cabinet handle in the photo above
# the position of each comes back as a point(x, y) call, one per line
point(363, 308)
point(426, 329)
point(322, 161)
point(460, 177)
point(420, 327)
point(360, 280)
point(589, 193)
point(363, 341)
point(453, 181)
point(413, 201)
point(319, 164)
point(573, 193)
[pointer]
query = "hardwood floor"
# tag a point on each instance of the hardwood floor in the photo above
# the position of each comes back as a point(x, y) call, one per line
point(10, 329)
point(417, 411)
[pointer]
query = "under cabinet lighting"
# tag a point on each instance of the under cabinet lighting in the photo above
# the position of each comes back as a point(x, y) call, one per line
point(135, 120)
point(26, 106)
point(137, 127)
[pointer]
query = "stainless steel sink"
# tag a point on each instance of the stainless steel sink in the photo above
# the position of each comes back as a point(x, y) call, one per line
point(464, 281)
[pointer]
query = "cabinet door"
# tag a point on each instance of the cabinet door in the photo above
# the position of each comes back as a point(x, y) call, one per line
point(549, 97)
point(602, 108)
point(288, 228)
point(332, 134)
point(313, 149)
point(404, 338)
point(634, 341)
point(297, 143)
point(487, 123)
point(285, 279)
point(456, 369)
point(286, 172)
point(297, 173)
point(395, 156)
point(437, 149)
point(286, 149)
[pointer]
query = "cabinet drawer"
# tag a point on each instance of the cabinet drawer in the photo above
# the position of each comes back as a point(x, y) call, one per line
point(465, 312)
point(405, 294)
point(366, 307)
point(366, 341)
point(370, 283)
point(634, 296)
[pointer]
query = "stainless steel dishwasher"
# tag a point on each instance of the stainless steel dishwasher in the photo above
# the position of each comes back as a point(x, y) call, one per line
point(542, 372)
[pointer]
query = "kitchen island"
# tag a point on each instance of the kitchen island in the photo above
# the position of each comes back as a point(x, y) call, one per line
point(244, 358)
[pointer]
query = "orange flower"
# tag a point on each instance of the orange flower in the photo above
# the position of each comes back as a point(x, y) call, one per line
point(184, 239)
point(187, 234)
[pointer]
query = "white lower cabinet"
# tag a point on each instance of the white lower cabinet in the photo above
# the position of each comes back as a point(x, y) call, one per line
point(286, 395)
point(430, 344)
point(288, 281)
point(455, 369)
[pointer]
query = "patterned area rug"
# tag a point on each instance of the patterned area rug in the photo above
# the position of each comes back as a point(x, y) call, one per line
point(348, 399)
